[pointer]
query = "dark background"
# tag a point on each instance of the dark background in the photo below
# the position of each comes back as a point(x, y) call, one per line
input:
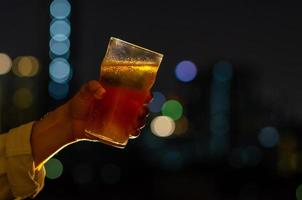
point(262, 41)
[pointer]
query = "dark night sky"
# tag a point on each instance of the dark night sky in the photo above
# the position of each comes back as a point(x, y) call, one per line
point(262, 40)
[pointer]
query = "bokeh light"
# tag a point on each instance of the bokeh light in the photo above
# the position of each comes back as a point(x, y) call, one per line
point(60, 9)
point(172, 159)
point(162, 126)
point(150, 141)
point(59, 48)
point(223, 71)
point(58, 91)
point(54, 168)
point(172, 109)
point(299, 192)
point(268, 137)
point(60, 29)
point(5, 63)
point(181, 126)
point(219, 124)
point(110, 173)
point(59, 70)
point(250, 156)
point(23, 98)
point(186, 71)
point(25, 66)
point(82, 173)
point(157, 102)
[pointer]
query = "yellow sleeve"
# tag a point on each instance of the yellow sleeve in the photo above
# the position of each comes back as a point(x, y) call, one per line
point(18, 177)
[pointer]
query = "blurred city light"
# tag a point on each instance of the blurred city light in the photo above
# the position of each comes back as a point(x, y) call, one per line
point(268, 137)
point(181, 126)
point(150, 141)
point(60, 9)
point(288, 159)
point(251, 156)
point(59, 48)
point(110, 173)
point(219, 124)
point(5, 63)
point(172, 109)
point(186, 71)
point(299, 192)
point(172, 159)
point(162, 126)
point(82, 174)
point(25, 66)
point(223, 71)
point(59, 70)
point(60, 30)
point(157, 102)
point(23, 98)
point(54, 168)
point(58, 91)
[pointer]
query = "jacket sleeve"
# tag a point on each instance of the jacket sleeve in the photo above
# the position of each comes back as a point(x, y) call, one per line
point(22, 178)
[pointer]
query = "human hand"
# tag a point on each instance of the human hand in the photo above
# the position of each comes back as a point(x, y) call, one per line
point(80, 106)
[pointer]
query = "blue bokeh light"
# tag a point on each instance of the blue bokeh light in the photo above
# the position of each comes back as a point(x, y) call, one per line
point(58, 91)
point(60, 30)
point(60, 9)
point(268, 137)
point(186, 71)
point(157, 102)
point(59, 70)
point(59, 48)
point(251, 155)
point(223, 71)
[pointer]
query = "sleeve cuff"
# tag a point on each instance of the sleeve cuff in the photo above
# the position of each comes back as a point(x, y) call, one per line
point(24, 180)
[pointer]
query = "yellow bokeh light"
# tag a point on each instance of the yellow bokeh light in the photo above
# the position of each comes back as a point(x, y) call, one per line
point(23, 98)
point(5, 63)
point(25, 66)
point(162, 126)
point(181, 126)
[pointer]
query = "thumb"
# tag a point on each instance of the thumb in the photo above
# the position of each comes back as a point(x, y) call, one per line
point(92, 89)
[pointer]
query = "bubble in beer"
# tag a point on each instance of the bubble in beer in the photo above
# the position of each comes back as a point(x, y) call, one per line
point(59, 70)
point(162, 126)
point(5, 63)
point(110, 173)
point(60, 9)
point(186, 71)
point(157, 102)
point(54, 168)
point(58, 91)
point(172, 109)
point(60, 29)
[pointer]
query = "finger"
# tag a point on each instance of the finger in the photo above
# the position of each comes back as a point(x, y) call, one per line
point(90, 89)
point(93, 86)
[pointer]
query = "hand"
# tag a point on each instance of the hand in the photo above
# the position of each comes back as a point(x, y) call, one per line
point(79, 107)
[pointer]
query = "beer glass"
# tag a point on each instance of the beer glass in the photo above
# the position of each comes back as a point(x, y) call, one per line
point(127, 73)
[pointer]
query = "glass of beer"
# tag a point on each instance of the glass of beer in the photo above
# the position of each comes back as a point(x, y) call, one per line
point(127, 73)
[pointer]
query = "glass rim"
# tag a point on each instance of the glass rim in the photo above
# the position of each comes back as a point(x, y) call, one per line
point(137, 46)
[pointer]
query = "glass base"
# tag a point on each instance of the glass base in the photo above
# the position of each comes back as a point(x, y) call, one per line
point(106, 140)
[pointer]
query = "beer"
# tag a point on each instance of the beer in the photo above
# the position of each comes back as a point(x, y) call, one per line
point(116, 116)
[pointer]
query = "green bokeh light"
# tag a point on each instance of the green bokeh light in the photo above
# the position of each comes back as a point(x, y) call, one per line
point(54, 168)
point(172, 109)
point(299, 192)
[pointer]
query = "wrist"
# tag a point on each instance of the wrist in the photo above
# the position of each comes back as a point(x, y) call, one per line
point(50, 134)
